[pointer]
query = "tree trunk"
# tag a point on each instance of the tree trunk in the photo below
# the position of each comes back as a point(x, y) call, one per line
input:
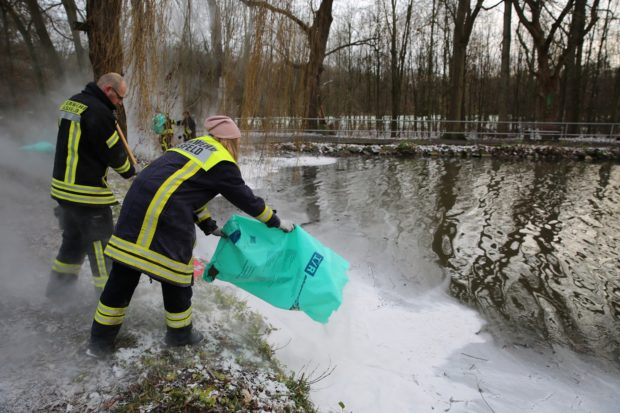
point(36, 65)
point(397, 63)
point(104, 36)
point(463, 25)
point(317, 35)
point(80, 53)
point(9, 76)
point(573, 67)
point(430, 92)
point(548, 65)
point(504, 85)
point(317, 39)
point(218, 52)
point(615, 114)
point(44, 37)
point(104, 40)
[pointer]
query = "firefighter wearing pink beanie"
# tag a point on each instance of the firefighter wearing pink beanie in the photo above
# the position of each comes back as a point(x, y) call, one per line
point(155, 231)
point(222, 127)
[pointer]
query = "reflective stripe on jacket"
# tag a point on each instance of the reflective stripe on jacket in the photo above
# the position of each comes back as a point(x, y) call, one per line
point(87, 144)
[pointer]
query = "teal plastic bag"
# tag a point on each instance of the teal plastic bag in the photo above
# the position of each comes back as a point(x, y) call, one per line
point(292, 271)
point(41, 147)
point(159, 123)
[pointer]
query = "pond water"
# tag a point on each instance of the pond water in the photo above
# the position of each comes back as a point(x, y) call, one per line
point(531, 248)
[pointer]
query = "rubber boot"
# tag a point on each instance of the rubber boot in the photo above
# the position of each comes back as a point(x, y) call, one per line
point(61, 287)
point(102, 340)
point(183, 336)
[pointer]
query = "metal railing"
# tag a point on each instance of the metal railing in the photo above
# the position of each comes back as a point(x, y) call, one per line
point(369, 127)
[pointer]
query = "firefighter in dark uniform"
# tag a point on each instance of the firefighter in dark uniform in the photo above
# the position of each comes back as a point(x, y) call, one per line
point(165, 139)
point(189, 127)
point(155, 233)
point(87, 144)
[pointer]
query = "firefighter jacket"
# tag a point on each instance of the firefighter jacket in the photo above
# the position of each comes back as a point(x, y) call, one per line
point(155, 232)
point(87, 144)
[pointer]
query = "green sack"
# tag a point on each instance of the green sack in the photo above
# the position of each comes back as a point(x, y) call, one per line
point(159, 123)
point(292, 271)
point(41, 147)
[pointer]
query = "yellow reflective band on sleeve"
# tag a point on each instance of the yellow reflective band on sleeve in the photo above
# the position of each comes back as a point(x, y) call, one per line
point(179, 320)
point(75, 132)
point(165, 191)
point(109, 316)
point(265, 215)
point(112, 140)
point(150, 262)
point(202, 214)
point(124, 168)
point(65, 268)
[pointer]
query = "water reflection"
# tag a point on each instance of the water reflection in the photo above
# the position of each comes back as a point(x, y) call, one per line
point(532, 245)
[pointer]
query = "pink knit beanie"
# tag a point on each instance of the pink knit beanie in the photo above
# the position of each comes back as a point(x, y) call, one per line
point(222, 127)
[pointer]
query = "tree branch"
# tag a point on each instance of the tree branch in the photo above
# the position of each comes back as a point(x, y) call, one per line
point(369, 40)
point(286, 13)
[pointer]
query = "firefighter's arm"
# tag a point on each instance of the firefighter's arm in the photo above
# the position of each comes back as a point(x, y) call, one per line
point(111, 146)
point(202, 218)
point(232, 187)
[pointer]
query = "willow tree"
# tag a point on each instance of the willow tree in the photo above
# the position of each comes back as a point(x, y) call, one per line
point(317, 35)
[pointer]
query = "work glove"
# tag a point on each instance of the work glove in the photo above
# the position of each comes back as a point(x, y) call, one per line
point(218, 233)
point(208, 226)
point(286, 226)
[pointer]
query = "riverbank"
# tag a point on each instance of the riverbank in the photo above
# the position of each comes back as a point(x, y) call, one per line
point(44, 366)
point(584, 151)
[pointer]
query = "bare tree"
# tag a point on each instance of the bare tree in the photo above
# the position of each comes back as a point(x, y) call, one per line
point(104, 40)
point(317, 35)
point(218, 50)
point(546, 40)
point(71, 10)
point(36, 65)
point(9, 75)
point(573, 76)
point(504, 85)
point(104, 36)
point(44, 37)
point(464, 17)
point(398, 52)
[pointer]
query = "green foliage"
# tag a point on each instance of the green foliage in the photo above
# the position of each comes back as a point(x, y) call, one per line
point(300, 389)
point(406, 148)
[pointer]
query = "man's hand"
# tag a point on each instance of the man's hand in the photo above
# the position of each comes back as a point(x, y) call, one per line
point(218, 233)
point(286, 226)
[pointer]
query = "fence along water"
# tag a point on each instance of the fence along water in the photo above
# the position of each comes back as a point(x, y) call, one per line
point(429, 128)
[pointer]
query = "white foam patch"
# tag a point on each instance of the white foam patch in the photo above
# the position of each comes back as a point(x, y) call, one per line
point(421, 354)
point(385, 356)
point(254, 168)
